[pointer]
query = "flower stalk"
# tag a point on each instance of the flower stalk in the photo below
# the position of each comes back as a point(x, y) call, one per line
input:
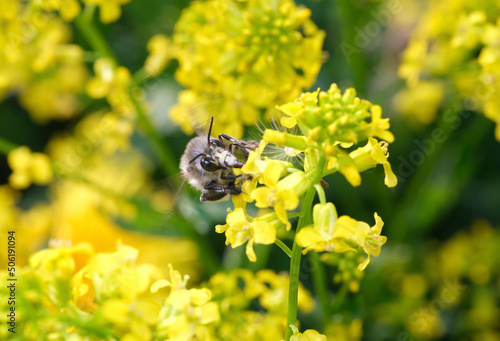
point(306, 217)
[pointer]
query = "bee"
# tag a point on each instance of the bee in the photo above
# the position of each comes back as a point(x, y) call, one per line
point(208, 163)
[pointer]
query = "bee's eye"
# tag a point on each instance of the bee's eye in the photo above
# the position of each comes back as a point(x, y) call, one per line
point(209, 165)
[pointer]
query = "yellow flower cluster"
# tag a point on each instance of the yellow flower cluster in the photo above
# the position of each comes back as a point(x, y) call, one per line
point(28, 168)
point(331, 233)
point(246, 55)
point(72, 292)
point(280, 194)
point(332, 122)
point(37, 61)
point(308, 335)
point(236, 293)
point(330, 126)
point(458, 40)
point(112, 82)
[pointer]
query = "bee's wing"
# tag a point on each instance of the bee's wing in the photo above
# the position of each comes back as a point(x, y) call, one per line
point(207, 107)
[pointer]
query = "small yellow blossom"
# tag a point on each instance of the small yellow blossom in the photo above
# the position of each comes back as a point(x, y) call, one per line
point(342, 234)
point(109, 10)
point(308, 335)
point(372, 154)
point(239, 230)
point(282, 195)
point(184, 309)
point(420, 102)
point(112, 83)
point(159, 48)
point(29, 168)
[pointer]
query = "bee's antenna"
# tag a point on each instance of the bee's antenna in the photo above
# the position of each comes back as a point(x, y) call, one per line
point(197, 156)
point(210, 129)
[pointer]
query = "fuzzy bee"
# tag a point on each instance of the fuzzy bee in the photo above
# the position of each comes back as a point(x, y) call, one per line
point(207, 164)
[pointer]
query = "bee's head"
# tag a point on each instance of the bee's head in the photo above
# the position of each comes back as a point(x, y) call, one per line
point(209, 164)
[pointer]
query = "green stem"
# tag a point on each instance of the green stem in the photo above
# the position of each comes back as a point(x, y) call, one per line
point(6, 146)
point(321, 193)
point(294, 215)
point(84, 23)
point(305, 218)
point(320, 285)
point(283, 247)
point(339, 298)
point(168, 161)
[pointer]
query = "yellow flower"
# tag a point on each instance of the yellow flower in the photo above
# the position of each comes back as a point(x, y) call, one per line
point(374, 153)
point(342, 234)
point(274, 293)
point(282, 195)
point(236, 293)
point(330, 117)
point(319, 237)
point(112, 82)
point(110, 10)
point(29, 168)
point(334, 122)
point(421, 102)
point(239, 230)
point(361, 159)
point(159, 48)
point(56, 267)
point(308, 335)
point(359, 233)
point(183, 309)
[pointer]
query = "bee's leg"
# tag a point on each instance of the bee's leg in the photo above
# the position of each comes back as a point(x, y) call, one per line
point(232, 189)
point(224, 138)
point(208, 195)
point(233, 177)
point(234, 143)
point(214, 186)
point(213, 191)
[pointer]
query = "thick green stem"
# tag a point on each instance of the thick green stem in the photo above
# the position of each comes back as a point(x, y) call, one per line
point(306, 217)
point(320, 285)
